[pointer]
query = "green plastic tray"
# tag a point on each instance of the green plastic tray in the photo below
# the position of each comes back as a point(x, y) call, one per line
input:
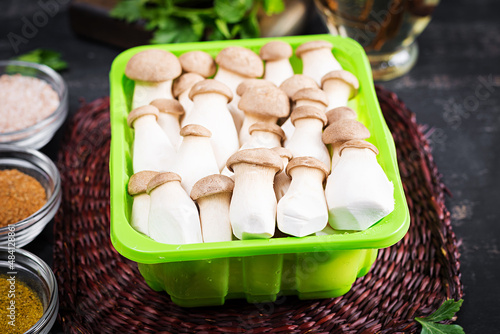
point(259, 270)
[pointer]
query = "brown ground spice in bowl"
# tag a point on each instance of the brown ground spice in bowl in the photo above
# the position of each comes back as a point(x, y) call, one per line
point(21, 195)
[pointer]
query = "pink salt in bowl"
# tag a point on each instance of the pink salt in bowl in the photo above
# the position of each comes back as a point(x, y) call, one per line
point(33, 130)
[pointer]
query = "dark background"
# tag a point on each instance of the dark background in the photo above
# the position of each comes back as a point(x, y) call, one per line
point(454, 88)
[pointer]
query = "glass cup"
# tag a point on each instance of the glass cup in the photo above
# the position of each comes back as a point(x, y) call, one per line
point(387, 29)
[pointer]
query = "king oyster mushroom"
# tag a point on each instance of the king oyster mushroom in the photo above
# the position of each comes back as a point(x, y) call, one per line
point(250, 83)
point(137, 188)
point(152, 149)
point(153, 72)
point(213, 195)
point(168, 118)
point(235, 65)
point(173, 217)
point(198, 62)
point(276, 54)
point(303, 209)
point(210, 110)
point(282, 180)
point(317, 59)
point(358, 192)
point(253, 206)
point(182, 87)
point(339, 113)
point(340, 87)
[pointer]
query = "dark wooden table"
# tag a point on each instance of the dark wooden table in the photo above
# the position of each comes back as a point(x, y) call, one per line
point(454, 88)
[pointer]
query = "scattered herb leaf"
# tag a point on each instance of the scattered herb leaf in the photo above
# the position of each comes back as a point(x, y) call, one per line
point(445, 312)
point(46, 57)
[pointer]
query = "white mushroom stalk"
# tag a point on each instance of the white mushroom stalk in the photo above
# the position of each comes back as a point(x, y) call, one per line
point(181, 89)
point(152, 149)
point(340, 87)
point(306, 140)
point(262, 104)
point(210, 110)
point(264, 135)
point(195, 158)
point(137, 188)
point(153, 72)
point(317, 59)
point(282, 180)
point(198, 62)
point(358, 192)
point(173, 217)
point(276, 54)
point(168, 119)
point(213, 195)
point(253, 205)
point(303, 209)
point(235, 65)
point(341, 131)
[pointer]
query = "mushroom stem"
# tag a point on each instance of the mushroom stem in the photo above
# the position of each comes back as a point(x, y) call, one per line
point(288, 126)
point(278, 71)
point(232, 80)
point(146, 92)
point(338, 93)
point(318, 62)
point(306, 140)
point(140, 213)
point(214, 216)
point(262, 139)
point(187, 104)
point(303, 209)
point(282, 180)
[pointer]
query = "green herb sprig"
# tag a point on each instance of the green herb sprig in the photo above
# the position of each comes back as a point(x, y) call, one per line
point(175, 21)
point(446, 311)
point(46, 57)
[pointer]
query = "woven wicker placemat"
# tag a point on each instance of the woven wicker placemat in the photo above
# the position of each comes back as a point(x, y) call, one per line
point(102, 292)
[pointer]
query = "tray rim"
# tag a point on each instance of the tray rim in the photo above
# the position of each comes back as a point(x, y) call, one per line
point(140, 248)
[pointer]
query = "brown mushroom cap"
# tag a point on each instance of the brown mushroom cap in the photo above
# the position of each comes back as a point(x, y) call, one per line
point(249, 83)
point(195, 130)
point(162, 178)
point(267, 127)
point(185, 82)
point(308, 112)
point(345, 130)
point(266, 101)
point(297, 82)
point(344, 76)
point(283, 152)
point(141, 111)
point(358, 144)
point(212, 185)
point(153, 65)
point(256, 156)
point(241, 61)
point(336, 114)
point(313, 45)
point(211, 86)
point(312, 94)
point(138, 183)
point(309, 162)
point(169, 106)
point(198, 62)
point(275, 50)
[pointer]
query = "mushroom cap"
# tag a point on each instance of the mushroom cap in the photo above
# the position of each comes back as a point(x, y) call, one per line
point(195, 130)
point(211, 86)
point(344, 76)
point(266, 101)
point(309, 162)
point(275, 50)
point(153, 65)
point(249, 83)
point(312, 45)
point(241, 61)
point(297, 82)
point(141, 111)
point(169, 106)
point(345, 130)
point(336, 114)
point(162, 178)
point(198, 62)
point(138, 183)
point(283, 152)
point(357, 143)
point(308, 112)
point(312, 94)
point(267, 127)
point(185, 82)
point(263, 157)
point(212, 185)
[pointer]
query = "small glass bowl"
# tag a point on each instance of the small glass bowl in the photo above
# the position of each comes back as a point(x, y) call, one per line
point(35, 273)
point(39, 134)
point(39, 166)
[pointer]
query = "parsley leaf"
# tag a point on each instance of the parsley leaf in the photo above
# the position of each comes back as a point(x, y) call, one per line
point(46, 57)
point(445, 312)
point(128, 10)
point(273, 6)
point(232, 11)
